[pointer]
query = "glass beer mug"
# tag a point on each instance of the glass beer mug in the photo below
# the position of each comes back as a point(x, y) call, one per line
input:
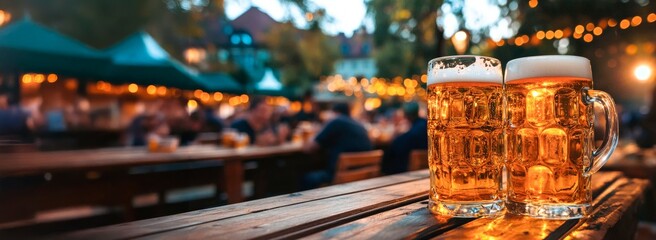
point(549, 130)
point(465, 136)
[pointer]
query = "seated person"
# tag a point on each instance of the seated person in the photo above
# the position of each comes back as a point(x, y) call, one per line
point(342, 134)
point(397, 156)
point(256, 123)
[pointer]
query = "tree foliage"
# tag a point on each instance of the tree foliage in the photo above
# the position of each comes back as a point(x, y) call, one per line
point(101, 23)
point(301, 55)
point(407, 28)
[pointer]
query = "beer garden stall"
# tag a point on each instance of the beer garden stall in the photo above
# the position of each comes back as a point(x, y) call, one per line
point(45, 70)
point(26, 46)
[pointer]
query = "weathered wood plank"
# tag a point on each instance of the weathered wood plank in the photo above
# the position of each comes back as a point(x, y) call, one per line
point(308, 217)
point(620, 204)
point(411, 221)
point(414, 221)
point(389, 211)
point(169, 223)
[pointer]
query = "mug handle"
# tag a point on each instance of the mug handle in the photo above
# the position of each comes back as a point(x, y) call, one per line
point(600, 155)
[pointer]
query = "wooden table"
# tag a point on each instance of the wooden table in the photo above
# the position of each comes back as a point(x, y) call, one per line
point(391, 207)
point(637, 163)
point(18, 164)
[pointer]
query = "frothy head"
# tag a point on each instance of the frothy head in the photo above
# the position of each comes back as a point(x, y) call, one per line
point(548, 66)
point(464, 69)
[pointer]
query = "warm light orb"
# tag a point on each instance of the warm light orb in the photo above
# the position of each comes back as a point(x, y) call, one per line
point(161, 90)
point(635, 21)
point(533, 3)
point(651, 17)
point(558, 34)
point(460, 36)
point(588, 37)
point(642, 72)
point(133, 88)
point(192, 105)
point(27, 78)
point(625, 23)
point(218, 96)
point(243, 98)
point(460, 42)
point(52, 78)
point(151, 89)
point(204, 96)
point(39, 78)
point(597, 31)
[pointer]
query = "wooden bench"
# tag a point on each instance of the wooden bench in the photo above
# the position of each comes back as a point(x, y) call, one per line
point(391, 207)
point(358, 166)
point(418, 160)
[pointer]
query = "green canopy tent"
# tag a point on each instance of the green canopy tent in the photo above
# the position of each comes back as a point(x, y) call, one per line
point(269, 85)
point(26, 46)
point(220, 82)
point(140, 59)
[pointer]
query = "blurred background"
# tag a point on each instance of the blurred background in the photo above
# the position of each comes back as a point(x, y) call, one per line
point(103, 57)
point(92, 74)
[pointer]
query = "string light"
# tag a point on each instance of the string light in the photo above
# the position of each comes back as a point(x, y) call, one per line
point(52, 78)
point(579, 31)
point(635, 21)
point(651, 17)
point(597, 31)
point(533, 3)
point(558, 34)
point(133, 88)
point(625, 23)
point(587, 37)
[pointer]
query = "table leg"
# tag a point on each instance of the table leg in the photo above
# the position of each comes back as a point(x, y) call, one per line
point(233, 172)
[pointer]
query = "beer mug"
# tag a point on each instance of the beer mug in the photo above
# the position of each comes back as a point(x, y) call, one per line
point(465, 134)
point(549, 127)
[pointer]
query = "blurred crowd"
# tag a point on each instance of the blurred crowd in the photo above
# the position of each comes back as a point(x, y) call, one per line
point(331, 128)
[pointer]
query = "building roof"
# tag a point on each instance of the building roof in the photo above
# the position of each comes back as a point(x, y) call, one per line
point(255, 22)
point(27, 35)
point(139, 49)
point(360, 45)
point(28, 46)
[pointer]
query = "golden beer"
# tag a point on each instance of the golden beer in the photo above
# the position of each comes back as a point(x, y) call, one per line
point(550, 136)
point(465, 134)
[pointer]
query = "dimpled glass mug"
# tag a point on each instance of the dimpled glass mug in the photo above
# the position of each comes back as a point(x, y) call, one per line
point(465, 136)
point(550, 136)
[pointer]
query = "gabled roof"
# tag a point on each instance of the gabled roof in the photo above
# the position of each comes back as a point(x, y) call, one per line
point(140, 59)
point(26, 46)
point(27, 35)
point(255, 22)
point(138, 49)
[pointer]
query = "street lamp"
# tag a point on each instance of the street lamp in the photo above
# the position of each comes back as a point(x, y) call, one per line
point(460, 41)
point(642, 72)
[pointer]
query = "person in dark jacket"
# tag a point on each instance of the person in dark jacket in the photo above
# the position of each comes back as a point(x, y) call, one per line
point(397, 156)
point(342, 134)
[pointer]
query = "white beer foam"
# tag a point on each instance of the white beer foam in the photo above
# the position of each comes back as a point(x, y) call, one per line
point(548, 66)
point(479, 71)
